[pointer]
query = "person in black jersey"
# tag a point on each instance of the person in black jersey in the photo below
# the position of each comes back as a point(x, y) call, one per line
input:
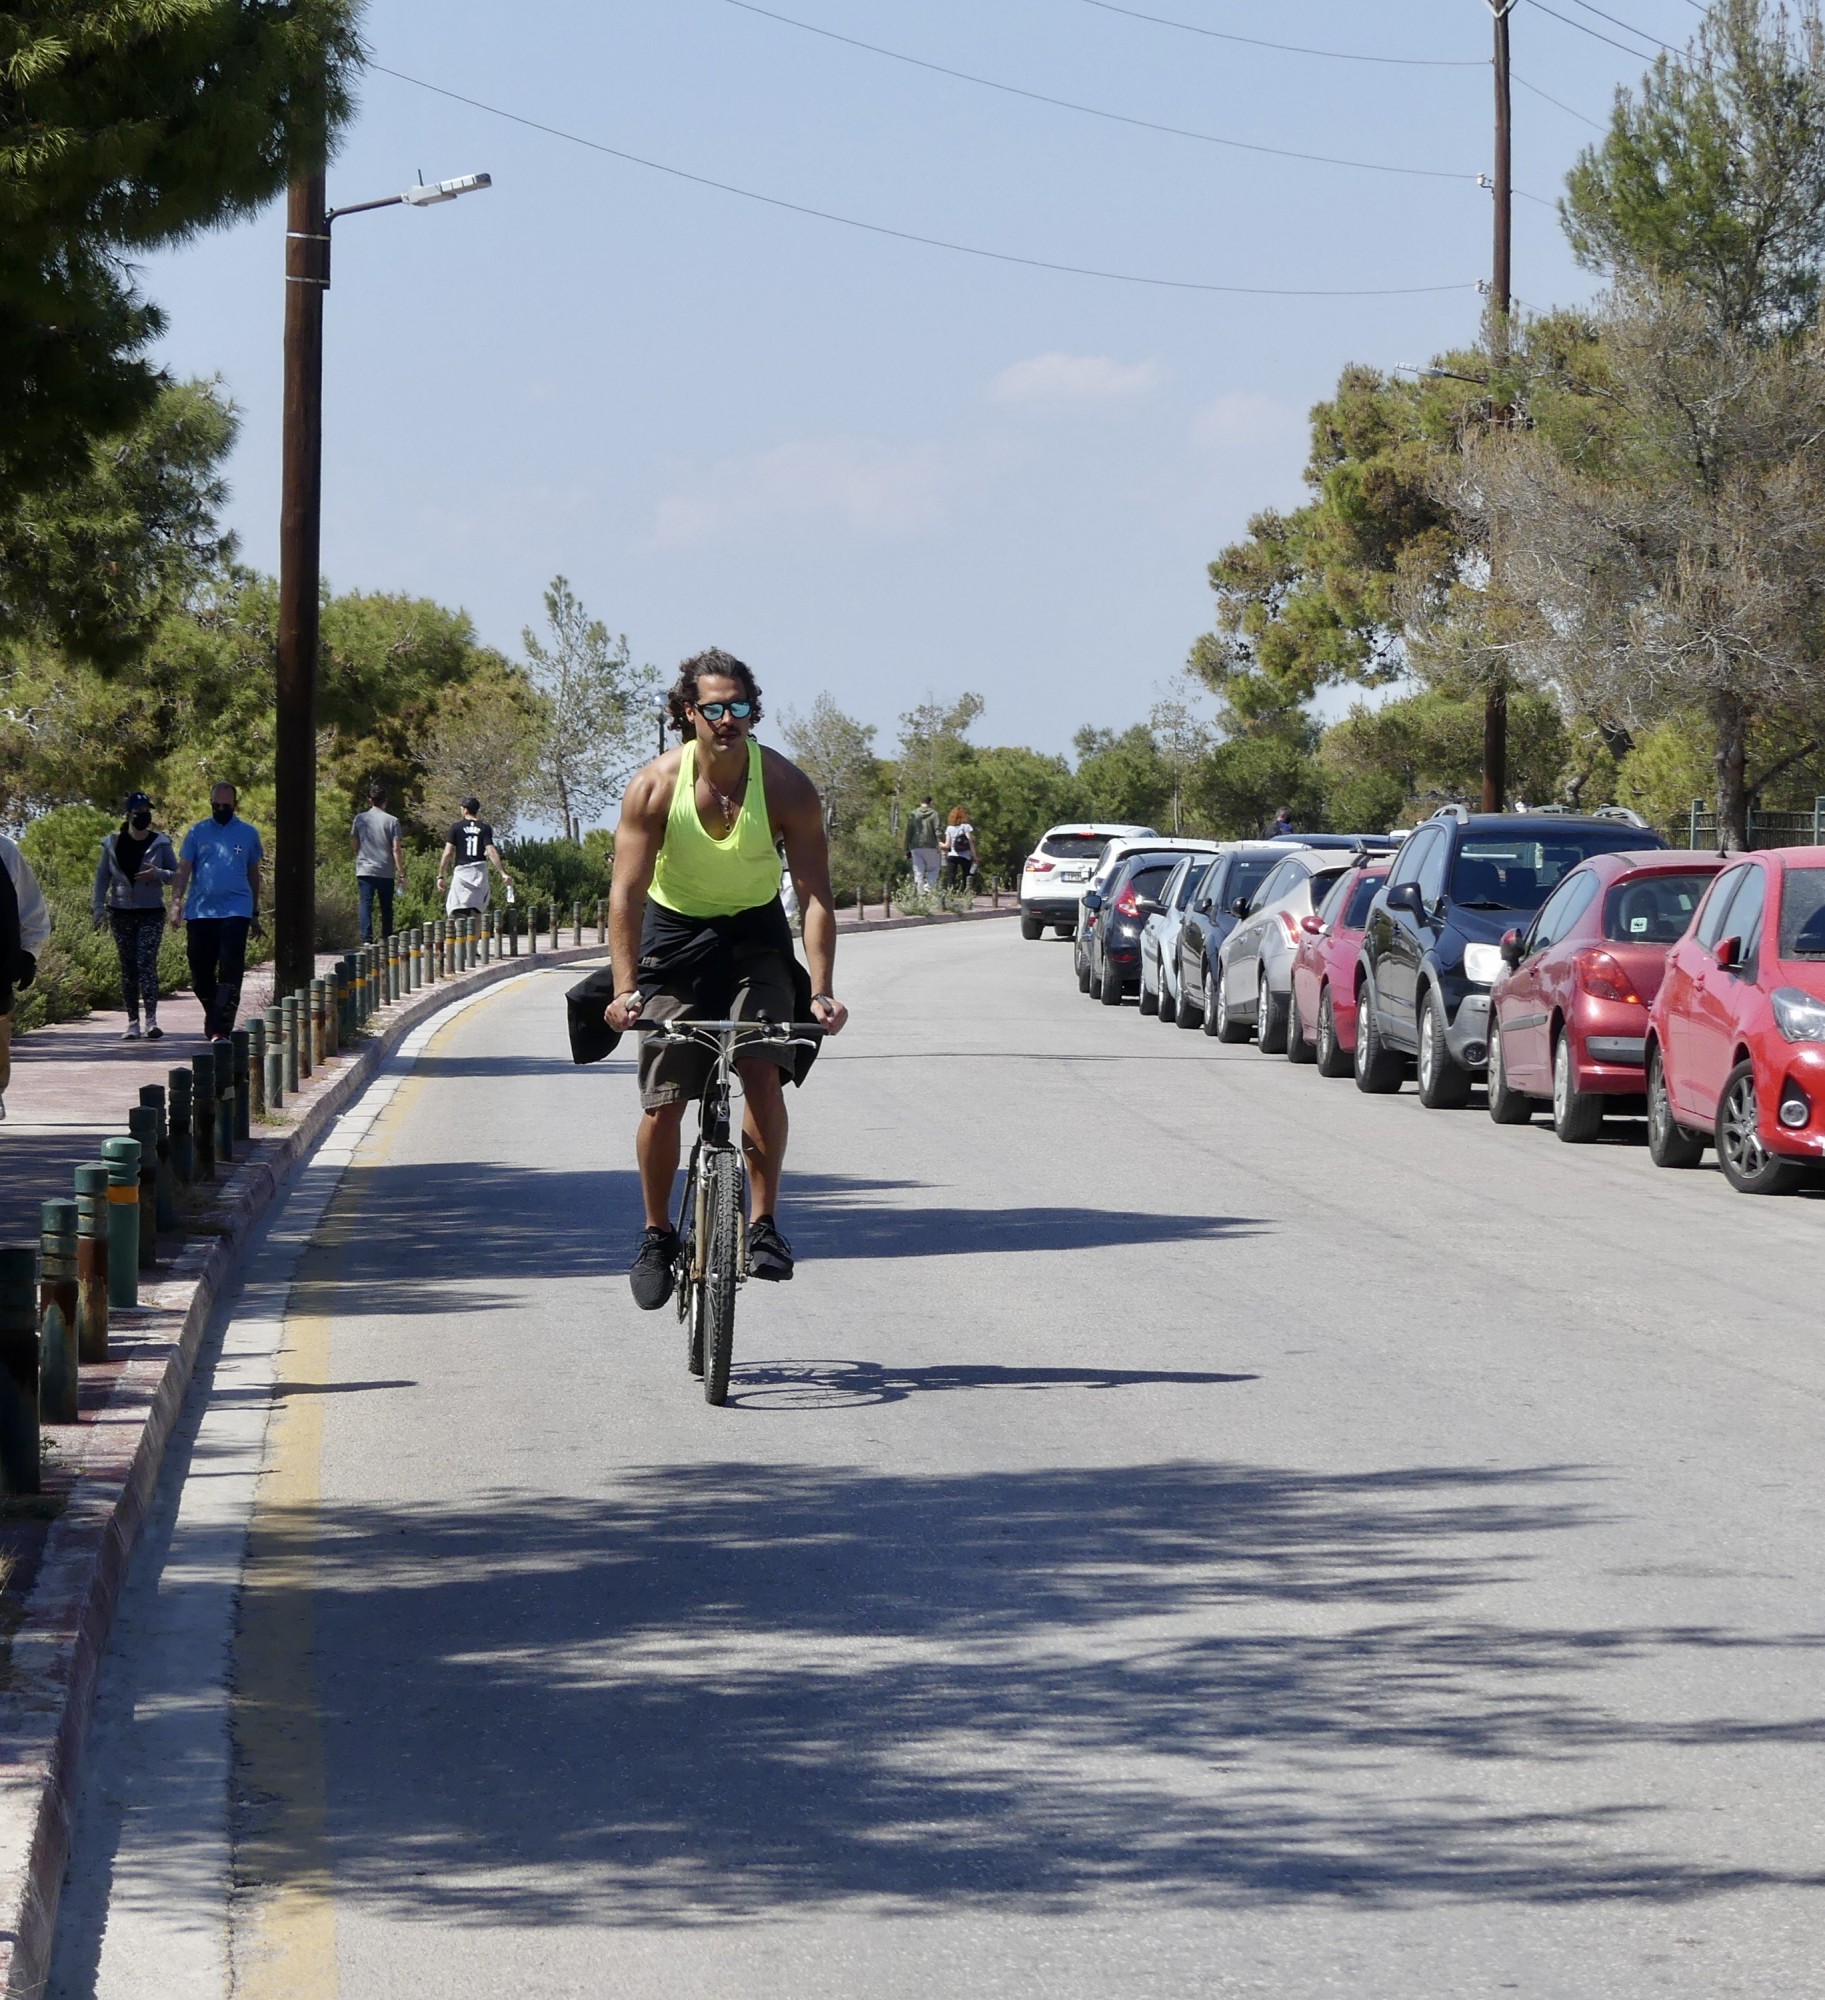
point(467, 855)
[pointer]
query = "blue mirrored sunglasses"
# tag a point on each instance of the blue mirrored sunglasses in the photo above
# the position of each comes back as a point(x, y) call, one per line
point(714, 711)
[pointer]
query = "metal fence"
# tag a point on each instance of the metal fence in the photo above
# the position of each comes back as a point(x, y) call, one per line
point(1766, 829)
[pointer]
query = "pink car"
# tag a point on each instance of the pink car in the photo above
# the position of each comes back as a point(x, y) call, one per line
point(1321, 1021)
point(1568, 1019)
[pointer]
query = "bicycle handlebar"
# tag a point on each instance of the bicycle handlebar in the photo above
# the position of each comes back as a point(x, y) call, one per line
point(781, 1033)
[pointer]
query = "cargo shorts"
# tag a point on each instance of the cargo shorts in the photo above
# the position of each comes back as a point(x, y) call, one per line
point(674, 1073)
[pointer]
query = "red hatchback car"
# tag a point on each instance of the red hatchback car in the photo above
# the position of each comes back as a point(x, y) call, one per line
point(1736, 1038)
point(1321, 1023)
point(1568, 1019)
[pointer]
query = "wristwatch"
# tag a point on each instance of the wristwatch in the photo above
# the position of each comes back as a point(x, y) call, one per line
point(829, 999)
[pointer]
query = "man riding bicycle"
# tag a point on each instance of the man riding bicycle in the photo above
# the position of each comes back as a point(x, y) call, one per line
point(697, 931)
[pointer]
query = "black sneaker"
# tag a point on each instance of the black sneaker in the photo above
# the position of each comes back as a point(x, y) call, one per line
point(769, 1254)
point(650, 1274)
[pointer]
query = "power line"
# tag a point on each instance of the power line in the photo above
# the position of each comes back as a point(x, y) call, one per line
point(910, 236)
point(1566, 108)
point(1292, 48)
point(1096, 111)
point(1640, 55)
point(1641, 33)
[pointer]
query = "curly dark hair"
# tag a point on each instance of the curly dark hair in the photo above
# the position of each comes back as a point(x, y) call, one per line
point(724, 666)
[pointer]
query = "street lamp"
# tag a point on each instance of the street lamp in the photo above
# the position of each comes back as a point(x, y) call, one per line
point(307, 278)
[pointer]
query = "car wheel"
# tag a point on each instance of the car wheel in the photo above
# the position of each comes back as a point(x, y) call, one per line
point(1221, 1022)
point(1333, 1059)
point(1298, 1049)
point(1444, 1083)
point(1150, 998)
point(1083, 970)
point(1109, 988)
point(1379, 1070)
point(1749, 1166)
point(1191, 1004)
point(1208, 1016)
point(1062, 930)
point(1669, 1143)
point(1270, 1018)
point(1169, 1006)
point(1506, 1106)
point(1577, 1114)
point(1032, 928)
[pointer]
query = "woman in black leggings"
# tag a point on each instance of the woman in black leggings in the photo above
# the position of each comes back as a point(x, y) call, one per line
point(136, 863)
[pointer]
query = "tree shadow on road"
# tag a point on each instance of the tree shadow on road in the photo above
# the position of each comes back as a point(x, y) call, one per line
point(730, 1692)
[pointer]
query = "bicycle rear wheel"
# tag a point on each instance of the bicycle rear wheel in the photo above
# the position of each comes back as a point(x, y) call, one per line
point(722, 1247)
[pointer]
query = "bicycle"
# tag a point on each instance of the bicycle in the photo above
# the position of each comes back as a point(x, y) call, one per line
point(713, 1223)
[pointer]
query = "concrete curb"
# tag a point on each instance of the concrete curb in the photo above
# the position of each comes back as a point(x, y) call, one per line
point(867, 927)
point(115, 1456)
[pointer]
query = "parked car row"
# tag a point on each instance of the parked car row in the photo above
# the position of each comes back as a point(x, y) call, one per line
point(1573, 964)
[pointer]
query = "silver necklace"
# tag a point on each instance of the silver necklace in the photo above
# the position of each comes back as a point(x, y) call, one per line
point(726, 805)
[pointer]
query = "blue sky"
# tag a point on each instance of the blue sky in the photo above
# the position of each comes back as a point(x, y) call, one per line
point(868, 466)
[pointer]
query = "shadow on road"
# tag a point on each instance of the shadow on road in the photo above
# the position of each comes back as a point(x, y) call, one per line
point(730, 1692)
point(841, 1385)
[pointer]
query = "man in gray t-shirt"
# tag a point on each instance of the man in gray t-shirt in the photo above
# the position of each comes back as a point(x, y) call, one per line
point(379, 861)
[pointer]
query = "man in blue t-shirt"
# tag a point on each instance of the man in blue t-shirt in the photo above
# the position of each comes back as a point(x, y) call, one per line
point(218, 894)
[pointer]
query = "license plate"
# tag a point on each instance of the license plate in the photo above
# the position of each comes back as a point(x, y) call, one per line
point(1072, 874)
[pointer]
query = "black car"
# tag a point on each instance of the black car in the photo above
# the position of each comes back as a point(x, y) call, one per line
point(1235, 875)
point(1109, 936)
point(1432, 947)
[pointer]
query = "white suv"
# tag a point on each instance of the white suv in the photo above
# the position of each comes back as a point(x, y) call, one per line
point(1058, 871)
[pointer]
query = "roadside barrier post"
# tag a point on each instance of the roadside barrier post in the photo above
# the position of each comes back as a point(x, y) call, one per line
point(576, 922)
point(92, 1263)
point(434, 952)
point(275, 1058)
point(332, 1014)
point(532, 930)
point(601, 920)
point(202, 1114)
point(19, 1461)
point(256, 1071)
point(122, 1156)
point(152, 1095)
point(391, 988)
point(57, 1397)
point(861, 908)
point(887, 899)
point(142, 1122)
point(408, 962)
point(178, 1116)
point(513, 930)
point(224, 1101)
point(241, 1043)
point(465, 929)
point(313, 1010)
point(288, 1016)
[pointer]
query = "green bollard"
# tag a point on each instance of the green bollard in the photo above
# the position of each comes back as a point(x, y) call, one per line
point(415, 958)
point(122, 1156)
point(19, 1456)
point(142, 1123)
point(275, 1058)
point(256, 1070)
point(92, 1263)
point(288, 1009)
point(395, 987)
point(202, 1113)
point(57, 1377)
point(241, 1067)
point(152, 1096)
point(178, 1084)
point(513, 930)
point(223, 1053)
point(576, 923)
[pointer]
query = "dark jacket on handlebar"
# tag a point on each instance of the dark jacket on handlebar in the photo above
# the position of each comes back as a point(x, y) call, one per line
point(707, 955)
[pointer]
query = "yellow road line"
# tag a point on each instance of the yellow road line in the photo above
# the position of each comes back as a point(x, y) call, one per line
point(284, 1942)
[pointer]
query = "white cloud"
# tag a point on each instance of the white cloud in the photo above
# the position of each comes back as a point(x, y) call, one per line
point(878, 492)
point(1069, 381)
point(1248, 426)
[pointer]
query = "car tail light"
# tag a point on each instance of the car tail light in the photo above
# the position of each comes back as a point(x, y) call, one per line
point(1039, 868)
point(1127, 904)
point(1603, 978)
point(1290, 925)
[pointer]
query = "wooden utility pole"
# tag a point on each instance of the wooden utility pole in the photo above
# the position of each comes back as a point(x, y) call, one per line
point(1495, 701)
point(294, 899)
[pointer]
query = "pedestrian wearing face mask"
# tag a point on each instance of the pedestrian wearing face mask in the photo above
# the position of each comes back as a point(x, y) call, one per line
point(136, 862)
point(218, 895)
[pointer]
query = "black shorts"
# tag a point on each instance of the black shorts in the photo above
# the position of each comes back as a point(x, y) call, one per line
point(676, 1072)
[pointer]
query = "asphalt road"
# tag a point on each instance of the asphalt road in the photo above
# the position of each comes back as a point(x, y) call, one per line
point(1189, 1528)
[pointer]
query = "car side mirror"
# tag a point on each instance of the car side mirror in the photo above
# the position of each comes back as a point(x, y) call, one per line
point(1092, 901)
point(1239, 908)
point(1730, 953)
point(1510, 947)
point(1313, 926)
point(1406, 896)
point(1146, 906)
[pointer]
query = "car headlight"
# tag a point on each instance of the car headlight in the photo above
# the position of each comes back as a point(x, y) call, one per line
point(1798, 1015)
point(1482, 963)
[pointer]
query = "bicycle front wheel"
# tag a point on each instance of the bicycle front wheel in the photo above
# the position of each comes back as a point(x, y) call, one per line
point(722, 1256)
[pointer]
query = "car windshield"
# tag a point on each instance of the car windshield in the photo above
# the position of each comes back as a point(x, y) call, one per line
point(1249, 872)
point(1356, 917)
point(1803, 913)
point(1655, 909)
point(1519, 872)
point(1073, 846)
point(1148, 881)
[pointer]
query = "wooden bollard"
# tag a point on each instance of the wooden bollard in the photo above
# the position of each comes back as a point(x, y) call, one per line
point(177, 1120)
point(313, 1011)
point(92, 1263)
point(19, 1457)
point(152, 1096)
point(142, 1123)
point(202, 1114)
point(224, 1101)
point(122, 1156)
point(275, 1059)
point(57, 1350)
point(256, 1070)
point(241, 1043)
point(288, 1013)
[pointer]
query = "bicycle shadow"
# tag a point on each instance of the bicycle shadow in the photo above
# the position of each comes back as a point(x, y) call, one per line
point(848, 1385)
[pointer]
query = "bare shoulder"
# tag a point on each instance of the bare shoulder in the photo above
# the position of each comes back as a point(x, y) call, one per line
point(788, 789)
point(649, 790)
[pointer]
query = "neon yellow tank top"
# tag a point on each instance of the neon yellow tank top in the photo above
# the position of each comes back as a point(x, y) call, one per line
point(700, 876)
